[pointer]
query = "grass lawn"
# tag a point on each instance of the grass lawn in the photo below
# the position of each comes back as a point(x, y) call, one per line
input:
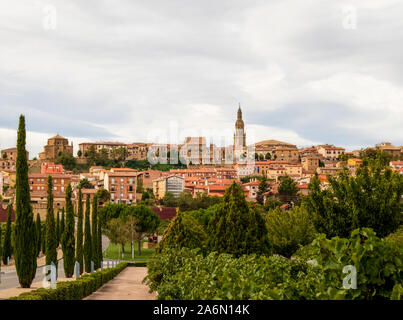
point(113, 253)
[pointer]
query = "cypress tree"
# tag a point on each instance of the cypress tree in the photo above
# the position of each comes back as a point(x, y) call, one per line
point(99, 242)
point(62, 225)
point(38, 234)
point(87, 237)
point(25, 233)
point(94, 233)
point(235, 228)
point(7, 247)
point(68, 241)
point(43, 240)
point(79, 247)
point(51, 241)
point(57, 229)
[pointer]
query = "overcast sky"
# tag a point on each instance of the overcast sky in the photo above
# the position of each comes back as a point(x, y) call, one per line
point(305, 72)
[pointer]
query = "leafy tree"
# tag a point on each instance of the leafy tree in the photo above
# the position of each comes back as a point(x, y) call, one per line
point(272, 203)
point(68, 241)
point(187, 202)
point(235, 228)
point(117, 232)
point(94, 232)
point(287, 230)
point(287, 187)
point(85, 184)
point(51, 237)
point(370, 199)
point(140, 188)
point(7, 247)
point(99, 237)
point(110, 211)
point(262, 189)
point(103, 195)
point(80, 235)
point(131, 224)
point(87, 237)
point(24, 231)
point(67, 161)
point(256, 156)
point(183, 231)
point(267, 156)
point(38, 228)
point(147, 221)
point(203, 216)
point(79, 153)
point(170, 200)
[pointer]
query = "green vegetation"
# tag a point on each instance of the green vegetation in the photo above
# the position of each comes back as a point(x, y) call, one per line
point(143, 165)
point(262, 189)
point(85, 184)
point(38, 229)
point(94, 232)
point(51, 238)
point(25, 233)
point(114, 249)
point(80, 235)
point(287, 230)
point(170, 200)
point(187, 274)
point(186, 201)
point(74, 290)
point(68, 240)
point(87, 237)
point(183, 231)
point(287, 186)
point(370, 199)
point(235, 228)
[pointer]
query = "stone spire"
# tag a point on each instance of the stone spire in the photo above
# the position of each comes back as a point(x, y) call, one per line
point(239, 122)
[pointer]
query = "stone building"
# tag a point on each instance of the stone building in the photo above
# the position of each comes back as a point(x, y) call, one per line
point(98, 146)
point(239, 137)
point(55, 146)
point(171, 183)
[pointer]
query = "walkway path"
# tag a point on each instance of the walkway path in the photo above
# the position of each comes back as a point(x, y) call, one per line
point(125, 286)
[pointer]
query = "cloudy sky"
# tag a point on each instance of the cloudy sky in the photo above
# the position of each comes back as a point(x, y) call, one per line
point(305, 72)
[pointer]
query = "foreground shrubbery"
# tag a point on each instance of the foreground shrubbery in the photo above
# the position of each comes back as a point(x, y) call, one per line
point(74, 290)
point(187, 274)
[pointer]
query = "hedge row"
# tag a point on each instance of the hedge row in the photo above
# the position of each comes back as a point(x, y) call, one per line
point(74, 290)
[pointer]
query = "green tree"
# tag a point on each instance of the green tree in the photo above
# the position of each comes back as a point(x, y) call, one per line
point(262, 189)
point(79, 153)
point(67, 161)
point(170, 200)
point(235, 228)
point(94, 232)
point(287, 186)
point(80, 236)
point(57, 229)
point(183, 231)
point(24, 231)
point(117, 232)
point(103, 195)
point(38, 228)
point(85, 184)
point(287, 230)
point(7, 247)
point(68, 241)
point(51, 237)
point(370, 199)
point(62, 223)
point(87, 237)
point(148, 221)
point(267, 156)
point(43, 242)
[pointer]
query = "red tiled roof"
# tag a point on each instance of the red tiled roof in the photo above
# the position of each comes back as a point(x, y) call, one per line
point(4, 214)
point(165, 213)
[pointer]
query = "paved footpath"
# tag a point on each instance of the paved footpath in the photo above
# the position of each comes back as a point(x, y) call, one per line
point(125, 286)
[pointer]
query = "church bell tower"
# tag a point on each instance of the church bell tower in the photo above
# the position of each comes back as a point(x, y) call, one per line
point(239, 136)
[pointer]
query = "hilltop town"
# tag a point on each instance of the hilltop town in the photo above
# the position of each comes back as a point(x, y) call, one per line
point(125, 172)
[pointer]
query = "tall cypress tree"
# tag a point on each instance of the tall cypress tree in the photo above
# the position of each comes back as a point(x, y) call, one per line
point(57, 229)
point(51, 241)
point(62, 222)
point(38, 234)
point(87, 237)
point(99, 236)
point(7, 247)
point(25, 233)
point(43, 240)
point(68, 241)
point(95, 246)
point(79, 247)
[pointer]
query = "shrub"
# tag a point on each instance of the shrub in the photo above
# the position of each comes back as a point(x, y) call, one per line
point(74, 290)
point(183, 231)
point(287, 230)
